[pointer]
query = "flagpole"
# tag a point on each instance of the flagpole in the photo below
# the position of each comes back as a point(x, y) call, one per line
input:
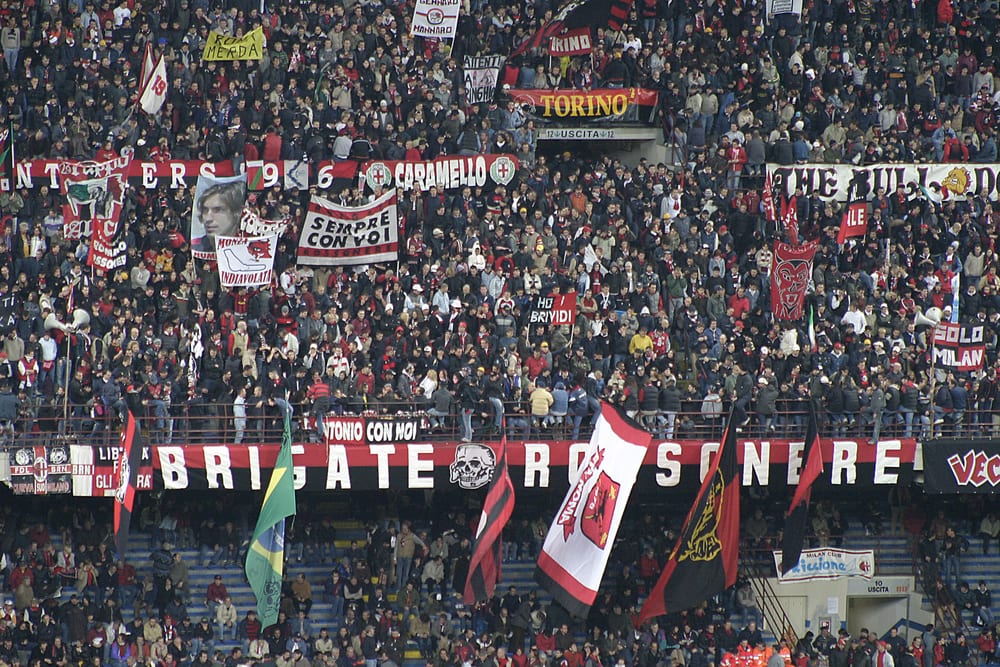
point(933, 373)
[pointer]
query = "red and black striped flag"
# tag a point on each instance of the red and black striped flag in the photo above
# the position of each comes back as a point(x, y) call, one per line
point(126, 477)
point(704, 561)
point(578, 14)
point(484, 566)
point(798, 511)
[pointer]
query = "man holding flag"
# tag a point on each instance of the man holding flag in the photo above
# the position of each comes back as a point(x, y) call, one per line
point(266, 555)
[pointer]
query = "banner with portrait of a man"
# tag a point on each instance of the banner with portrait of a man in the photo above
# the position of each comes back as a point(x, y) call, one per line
point(217, 210)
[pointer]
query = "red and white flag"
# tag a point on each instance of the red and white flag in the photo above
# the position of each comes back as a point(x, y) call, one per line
point(154, 92)
point(575, 554)
point(854, 222)
point(790, 219)
point(767, 199)
point(148, 63)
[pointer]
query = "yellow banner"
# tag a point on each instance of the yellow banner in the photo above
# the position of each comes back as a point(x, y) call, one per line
point(248, 47)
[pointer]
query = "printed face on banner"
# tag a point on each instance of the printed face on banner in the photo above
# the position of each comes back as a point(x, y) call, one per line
point(218, 208)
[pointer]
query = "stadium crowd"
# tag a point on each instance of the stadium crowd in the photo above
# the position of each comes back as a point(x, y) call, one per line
point(398, 589)
point(674, 313)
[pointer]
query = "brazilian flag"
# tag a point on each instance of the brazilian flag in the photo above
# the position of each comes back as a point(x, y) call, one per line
point(266, 556)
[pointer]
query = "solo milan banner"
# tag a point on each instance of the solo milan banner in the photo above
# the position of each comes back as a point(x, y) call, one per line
point(594, 104)
point(819, 564)
point(959, 347)
point(554, 310)
point(94, 194)
point(435, 18)
point(481, 74)
point(245, 261)
point(790, 275)
point(445, 173)
point(335, 235)
point(845, 182)
point(574, 42)
point(962, 466)
point(576, 550)
point(667, 466)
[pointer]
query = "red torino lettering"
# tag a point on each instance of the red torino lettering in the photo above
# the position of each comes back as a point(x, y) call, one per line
point(975, 468)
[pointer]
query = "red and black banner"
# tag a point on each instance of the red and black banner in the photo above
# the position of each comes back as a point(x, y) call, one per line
point(484, 566)
point(705, 559)
point(578, 14)
point(790, 275)
point(669, 465)
point(38, 470)
point(962, 466)
point(794, 534)
point(790, 219)
point(960, 347)
point(601, 103)
point(127, 477)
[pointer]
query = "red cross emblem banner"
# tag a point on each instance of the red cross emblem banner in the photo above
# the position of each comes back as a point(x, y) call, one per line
point(444, 173)
point(577, 547)
point(335, 235)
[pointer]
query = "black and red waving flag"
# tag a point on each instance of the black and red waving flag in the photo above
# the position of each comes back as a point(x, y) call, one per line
point(126, 478)
point(578, 14)
point(704, 561)
point(484, 566)
point(798, 511)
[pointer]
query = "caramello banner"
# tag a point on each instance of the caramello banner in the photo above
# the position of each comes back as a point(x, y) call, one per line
point(827, 563)
point(962, 466)
point(845, 182)
point(347, 462)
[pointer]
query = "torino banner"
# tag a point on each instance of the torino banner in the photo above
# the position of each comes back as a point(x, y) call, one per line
point(846, 182)
point(335, 235)
point(817, 564)
point(577, 104)
point(450, 465)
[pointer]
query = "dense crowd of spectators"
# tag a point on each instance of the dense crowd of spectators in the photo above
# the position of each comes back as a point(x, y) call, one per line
point(674, 312)
point(398, 588)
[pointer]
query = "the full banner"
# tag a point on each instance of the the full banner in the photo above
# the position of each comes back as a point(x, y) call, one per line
point(845, 182)
point(789, 279)
point(343, 235)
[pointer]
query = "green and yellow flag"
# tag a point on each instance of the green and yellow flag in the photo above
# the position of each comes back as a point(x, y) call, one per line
point(266, 556)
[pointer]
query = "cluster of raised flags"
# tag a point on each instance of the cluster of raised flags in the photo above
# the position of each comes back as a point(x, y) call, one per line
point(575, 554)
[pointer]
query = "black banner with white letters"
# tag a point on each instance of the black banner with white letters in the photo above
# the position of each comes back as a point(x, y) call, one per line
point(962, 466)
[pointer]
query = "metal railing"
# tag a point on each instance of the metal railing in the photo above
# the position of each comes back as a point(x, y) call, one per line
point(199, 422)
